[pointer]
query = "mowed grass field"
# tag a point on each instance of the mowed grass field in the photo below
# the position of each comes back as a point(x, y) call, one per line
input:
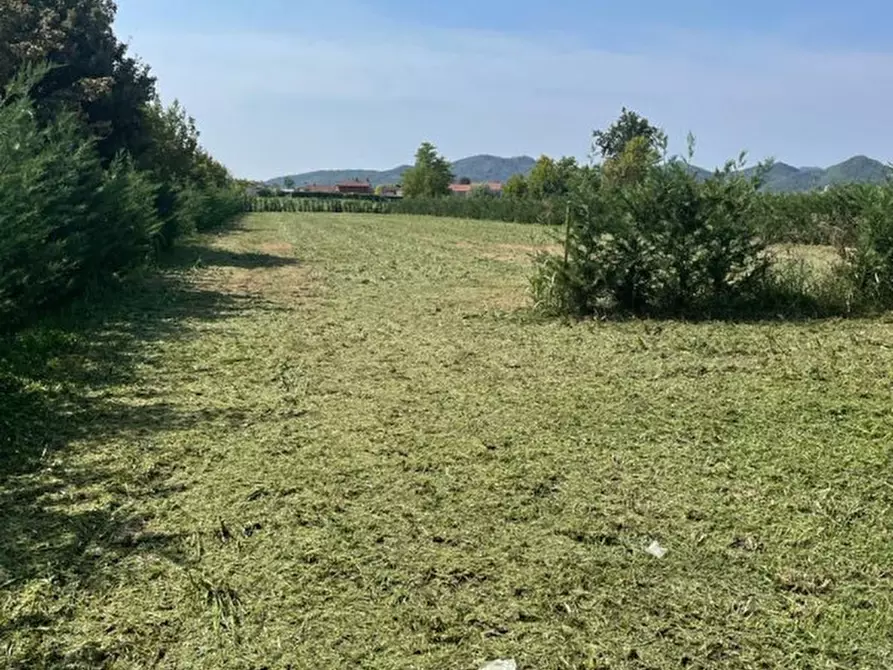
point(334, 441)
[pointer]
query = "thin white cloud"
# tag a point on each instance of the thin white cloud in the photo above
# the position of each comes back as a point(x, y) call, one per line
point(271, 103)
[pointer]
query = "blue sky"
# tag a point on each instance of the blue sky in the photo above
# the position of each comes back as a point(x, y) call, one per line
point(284, 87)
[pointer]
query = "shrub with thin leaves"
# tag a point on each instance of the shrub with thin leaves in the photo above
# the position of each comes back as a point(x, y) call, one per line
point(868, 256)
point(662, 244)
point(814, 217)
point(189, 208)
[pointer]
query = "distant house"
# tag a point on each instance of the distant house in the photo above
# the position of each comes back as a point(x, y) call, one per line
point(390, 191)
point(354, 186)
point(314, 188)
point(460, 189)
point(494, 187)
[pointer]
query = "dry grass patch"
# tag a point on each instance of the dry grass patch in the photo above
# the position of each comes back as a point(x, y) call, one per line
point(513, 253)
point(820, 259)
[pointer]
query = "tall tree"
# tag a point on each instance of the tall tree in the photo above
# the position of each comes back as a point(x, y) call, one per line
point(611, 142)
point(92, 74)
point(632, 164)
point(431, 175)
point(515, 187)
point(174, 154)
point(174, 142)
point(630, 147)
point(550, 178)
point(543, 178)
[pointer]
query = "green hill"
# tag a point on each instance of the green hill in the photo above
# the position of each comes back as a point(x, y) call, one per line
point(856, 170)
point(492, 168)
point(476, 168)
point(332, 177)
point(782, 177)
point(859, 169)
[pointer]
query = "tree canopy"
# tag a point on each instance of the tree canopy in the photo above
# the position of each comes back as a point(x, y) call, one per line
point(550, 178)
point(431, 175)
point(611, 142)
point(91, 73)
point(515, 187)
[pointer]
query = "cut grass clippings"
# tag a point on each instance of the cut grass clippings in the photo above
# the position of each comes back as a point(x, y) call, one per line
point(335, 441)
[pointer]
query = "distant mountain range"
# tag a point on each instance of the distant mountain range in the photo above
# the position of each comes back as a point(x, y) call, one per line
point(782, 178)
point(476, 168)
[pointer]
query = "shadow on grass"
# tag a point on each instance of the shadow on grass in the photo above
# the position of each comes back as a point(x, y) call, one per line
point(70, 523)
point(208, 257)
point(771, 308)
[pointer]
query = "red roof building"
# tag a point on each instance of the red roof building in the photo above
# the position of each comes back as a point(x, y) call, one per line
point(313, 188)
point(354, 186)
point(465, 189)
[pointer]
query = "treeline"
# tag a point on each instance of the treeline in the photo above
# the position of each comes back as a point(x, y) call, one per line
point(541, 198)
point(549, 211)
point(829, 217)
point(822, 217)
point(323, 195)
point(832, 217)
point(96, 176)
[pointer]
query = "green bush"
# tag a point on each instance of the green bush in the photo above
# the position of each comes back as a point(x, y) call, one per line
point(200, 209)
point(868, 253)
point(217, 206)
point(195, 192)
point(818, 217)
point(666, 244)
point(857, 219)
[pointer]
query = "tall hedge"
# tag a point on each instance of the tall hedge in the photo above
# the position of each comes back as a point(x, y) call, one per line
point(68, 218)
point(517, 210)
point(64, 218)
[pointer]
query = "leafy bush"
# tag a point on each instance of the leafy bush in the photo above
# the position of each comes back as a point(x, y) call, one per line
point(868, 255)
point(216, 206)
point(324, 204)
point(191, 208)
point(857, 219)
point(820, 217)
point(664, 243)
point(333, 195)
